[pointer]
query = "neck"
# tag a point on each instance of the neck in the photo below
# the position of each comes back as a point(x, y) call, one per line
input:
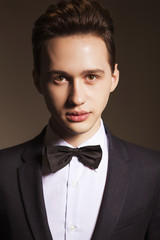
point(74, 139)
point(77, 140)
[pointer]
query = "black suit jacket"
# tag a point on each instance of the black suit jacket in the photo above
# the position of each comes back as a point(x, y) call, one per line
point(130, 208)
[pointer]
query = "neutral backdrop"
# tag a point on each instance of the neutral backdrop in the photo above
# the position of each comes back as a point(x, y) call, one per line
point(133, 112)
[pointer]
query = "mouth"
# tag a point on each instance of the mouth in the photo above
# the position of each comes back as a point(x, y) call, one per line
point(77, 116)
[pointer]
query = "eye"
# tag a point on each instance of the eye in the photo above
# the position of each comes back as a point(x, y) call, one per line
point(60, 78)
point(91, 77)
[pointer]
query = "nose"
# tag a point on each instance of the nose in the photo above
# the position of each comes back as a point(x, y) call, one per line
point(77, 93)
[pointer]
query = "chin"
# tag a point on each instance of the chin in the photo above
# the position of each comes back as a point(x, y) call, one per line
point(79, 128)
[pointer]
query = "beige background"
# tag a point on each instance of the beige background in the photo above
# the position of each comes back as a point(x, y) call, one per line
point(133, 112)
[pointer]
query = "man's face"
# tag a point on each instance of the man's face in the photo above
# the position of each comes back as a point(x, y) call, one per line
point(76, 80)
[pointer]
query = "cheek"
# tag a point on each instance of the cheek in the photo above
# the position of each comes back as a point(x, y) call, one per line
point(101, 96)
point(55, 98)
point(103, 101)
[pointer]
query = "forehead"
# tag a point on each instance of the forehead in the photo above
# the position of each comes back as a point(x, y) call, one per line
point(76, 51)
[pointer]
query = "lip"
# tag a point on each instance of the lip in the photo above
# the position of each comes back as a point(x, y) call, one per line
point(77, 116)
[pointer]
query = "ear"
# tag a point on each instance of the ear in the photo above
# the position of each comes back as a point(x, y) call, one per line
point(36, 79)
point(115, 78)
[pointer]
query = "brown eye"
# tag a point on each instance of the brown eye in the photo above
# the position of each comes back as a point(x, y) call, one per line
point(91, 77)
point(60, 79)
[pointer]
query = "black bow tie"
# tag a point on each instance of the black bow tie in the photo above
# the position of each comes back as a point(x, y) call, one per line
point(59, 156)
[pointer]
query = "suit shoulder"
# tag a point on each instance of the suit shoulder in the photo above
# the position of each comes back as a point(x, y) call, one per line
point(13, 149)
point(137, 152)
point(12, 152)
point(18, 149)
point(13, 157)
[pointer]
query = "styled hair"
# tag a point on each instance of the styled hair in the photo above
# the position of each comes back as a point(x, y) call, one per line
point(73, 17)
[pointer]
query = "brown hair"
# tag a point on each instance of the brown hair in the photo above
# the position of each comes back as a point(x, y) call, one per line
point(69, 17)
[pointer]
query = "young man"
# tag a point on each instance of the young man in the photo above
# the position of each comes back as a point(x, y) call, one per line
point(75, 180)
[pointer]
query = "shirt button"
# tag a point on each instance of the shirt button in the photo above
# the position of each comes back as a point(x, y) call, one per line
point(72, 228)
point(74, 183)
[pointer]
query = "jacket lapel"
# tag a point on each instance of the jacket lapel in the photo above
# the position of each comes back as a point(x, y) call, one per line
point(30, 182)
point(117, 183)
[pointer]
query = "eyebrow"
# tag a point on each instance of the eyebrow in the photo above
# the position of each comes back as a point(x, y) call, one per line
point(87, 71)
point(57, 72)
point(90, 71)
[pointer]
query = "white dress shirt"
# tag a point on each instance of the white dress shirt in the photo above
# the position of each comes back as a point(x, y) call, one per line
point(73, 194)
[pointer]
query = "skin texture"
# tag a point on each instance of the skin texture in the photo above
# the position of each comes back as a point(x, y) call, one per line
point(76, 81)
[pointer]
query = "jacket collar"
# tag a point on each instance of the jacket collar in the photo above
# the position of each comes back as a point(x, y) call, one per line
point(30, 183)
